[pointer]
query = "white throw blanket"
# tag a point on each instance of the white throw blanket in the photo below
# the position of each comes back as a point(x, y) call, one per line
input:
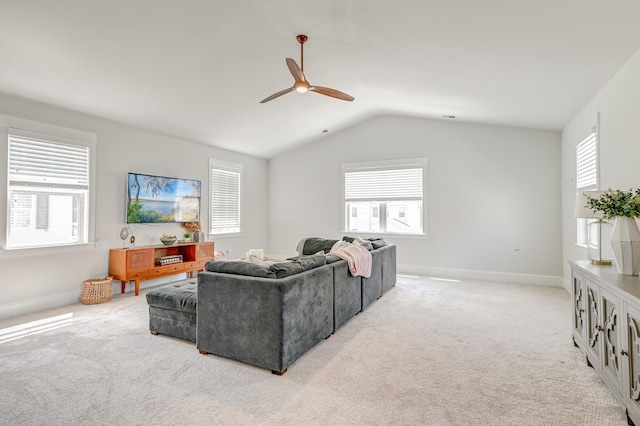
point(358, 258)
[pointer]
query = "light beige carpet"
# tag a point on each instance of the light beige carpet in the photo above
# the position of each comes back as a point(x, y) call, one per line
point(427, 353)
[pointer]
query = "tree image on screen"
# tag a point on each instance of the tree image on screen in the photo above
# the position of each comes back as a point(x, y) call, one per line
point(153, 199)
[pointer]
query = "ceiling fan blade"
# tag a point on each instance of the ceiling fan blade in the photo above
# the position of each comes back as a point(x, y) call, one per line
point(277, 95)
point(296, 72)
point(331, 92)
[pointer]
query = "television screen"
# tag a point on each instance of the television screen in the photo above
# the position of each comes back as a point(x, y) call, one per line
point(159, 199)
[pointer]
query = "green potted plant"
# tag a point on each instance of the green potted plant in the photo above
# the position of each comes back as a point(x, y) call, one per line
point(624, 206)
point(193, 229)
point(616, 203)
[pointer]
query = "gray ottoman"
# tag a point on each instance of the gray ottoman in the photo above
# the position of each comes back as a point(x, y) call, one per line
point(172, 310)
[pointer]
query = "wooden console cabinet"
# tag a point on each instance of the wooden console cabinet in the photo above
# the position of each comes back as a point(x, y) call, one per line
point(143, 263)
point(606, 326)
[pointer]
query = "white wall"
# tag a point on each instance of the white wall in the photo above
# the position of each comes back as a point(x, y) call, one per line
point(619, 142)
point(35, 281)
point(493, 207)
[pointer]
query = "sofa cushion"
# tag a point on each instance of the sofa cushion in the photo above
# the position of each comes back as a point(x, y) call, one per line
point(303, 263)
point(180, 296)
point(239, 267)
point(313, 245)
point(261, 262)
point(359, 242)
point(377, 242)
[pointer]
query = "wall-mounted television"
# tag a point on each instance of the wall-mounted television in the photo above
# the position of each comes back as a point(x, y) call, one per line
point(161, 199)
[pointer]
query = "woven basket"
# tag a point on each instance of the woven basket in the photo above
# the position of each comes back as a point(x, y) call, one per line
point(96, 290)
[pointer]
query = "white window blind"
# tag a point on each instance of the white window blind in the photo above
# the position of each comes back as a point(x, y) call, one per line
point(47, 163)
point(404, 184)
point(225, 198)
point(587, 163)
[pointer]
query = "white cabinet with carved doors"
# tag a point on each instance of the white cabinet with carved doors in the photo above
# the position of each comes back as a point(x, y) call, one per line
point(606, 327)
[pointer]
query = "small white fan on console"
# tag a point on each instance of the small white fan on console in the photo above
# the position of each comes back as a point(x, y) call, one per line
point(124, 233)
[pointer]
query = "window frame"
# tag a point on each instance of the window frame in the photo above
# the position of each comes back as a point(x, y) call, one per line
point(228, 167)
point(55, 134)
point(419, 162)
point(593, 183)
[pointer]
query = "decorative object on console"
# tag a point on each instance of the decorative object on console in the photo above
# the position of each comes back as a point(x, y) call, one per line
point(127, 232)
point(194, 229)
point(626, 245)
point(599, 249)
point(167, 260)
point(124, 233)
point(625, 207)
point(167, 239)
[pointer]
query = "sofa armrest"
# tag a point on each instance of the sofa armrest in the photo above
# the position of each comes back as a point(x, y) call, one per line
point(265, 322)
point(388, 259)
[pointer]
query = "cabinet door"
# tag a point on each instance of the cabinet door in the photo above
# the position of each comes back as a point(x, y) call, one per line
point(630, 352)
point(578, 314)
point(140, 259)
point(611, 338)
point(205, 251)
point(592, 324)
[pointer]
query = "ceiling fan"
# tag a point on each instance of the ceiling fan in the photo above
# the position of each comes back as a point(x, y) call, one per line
point(301, 84)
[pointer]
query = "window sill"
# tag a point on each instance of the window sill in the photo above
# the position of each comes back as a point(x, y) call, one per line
point(229, 235)
point(384, 235)
point(40, 251)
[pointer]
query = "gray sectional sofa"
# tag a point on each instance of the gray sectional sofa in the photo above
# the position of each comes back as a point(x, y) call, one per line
point(270, 315)
point(271, 322)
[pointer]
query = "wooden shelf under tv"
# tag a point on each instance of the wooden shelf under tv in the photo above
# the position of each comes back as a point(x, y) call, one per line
point(141, 263)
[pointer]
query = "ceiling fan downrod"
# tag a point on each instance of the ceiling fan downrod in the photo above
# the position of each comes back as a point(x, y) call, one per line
point(301, 39)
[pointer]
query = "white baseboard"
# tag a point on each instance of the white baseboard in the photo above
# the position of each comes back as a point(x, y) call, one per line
point(451, 273)
point(469, 274)
point(39, 304)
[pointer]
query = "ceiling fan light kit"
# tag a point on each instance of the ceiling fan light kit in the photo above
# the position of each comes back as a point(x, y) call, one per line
point(301, 84)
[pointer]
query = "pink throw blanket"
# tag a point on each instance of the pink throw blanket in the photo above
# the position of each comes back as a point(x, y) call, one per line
point(358, 258)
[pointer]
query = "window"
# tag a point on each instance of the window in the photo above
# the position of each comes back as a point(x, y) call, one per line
point(384, 197)
point(586, 177)
point(48, 190)
point(225, 197)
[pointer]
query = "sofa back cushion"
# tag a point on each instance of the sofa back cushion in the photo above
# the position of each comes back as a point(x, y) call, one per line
point(303, 263)
point(312, 245)
point(239, 267)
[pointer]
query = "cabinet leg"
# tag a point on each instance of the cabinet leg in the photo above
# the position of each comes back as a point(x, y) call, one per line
point(137, 287)
point(589, 362)
point(629, 421)
point(122, 286)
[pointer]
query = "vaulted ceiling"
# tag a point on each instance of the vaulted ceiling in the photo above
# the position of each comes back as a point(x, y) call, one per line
point(197, 69)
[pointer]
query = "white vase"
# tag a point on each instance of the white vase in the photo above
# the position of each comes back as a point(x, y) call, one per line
point(626, 245)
